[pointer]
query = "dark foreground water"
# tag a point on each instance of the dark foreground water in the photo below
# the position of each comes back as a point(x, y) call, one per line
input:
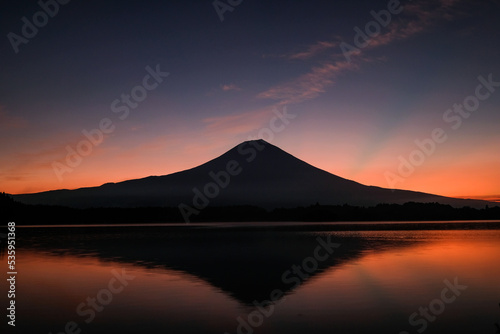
point(224, 278)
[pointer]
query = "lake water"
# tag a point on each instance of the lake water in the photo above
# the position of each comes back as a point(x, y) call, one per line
point(210, 278)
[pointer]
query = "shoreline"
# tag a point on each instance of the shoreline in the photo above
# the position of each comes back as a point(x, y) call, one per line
point(304, 226)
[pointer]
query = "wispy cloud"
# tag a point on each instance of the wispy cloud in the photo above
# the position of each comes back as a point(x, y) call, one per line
point(230, 87)
point(313, 50)
point(415, 18)
point(27, 167)
point(490, 198)
point(309, 85)
point(237, 123)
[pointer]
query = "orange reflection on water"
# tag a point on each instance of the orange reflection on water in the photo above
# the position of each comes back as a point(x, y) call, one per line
point(399, 280)
point(51, 287)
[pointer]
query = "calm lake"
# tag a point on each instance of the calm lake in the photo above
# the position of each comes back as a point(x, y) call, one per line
point(230, 278)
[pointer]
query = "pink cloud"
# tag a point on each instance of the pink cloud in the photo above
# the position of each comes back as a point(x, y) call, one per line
point(313, 50)
point(237, 123)
point(309, 85)
point(414, 19)
point(230, 87)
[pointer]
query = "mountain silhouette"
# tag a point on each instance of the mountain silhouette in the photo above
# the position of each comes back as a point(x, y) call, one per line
point(252, 173)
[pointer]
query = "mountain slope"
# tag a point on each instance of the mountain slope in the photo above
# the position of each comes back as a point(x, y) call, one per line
point(252, 173)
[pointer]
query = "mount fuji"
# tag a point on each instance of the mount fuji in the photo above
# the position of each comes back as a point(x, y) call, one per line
point(252, 173)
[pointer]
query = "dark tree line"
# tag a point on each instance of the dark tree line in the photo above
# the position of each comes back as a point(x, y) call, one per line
point(23, 214)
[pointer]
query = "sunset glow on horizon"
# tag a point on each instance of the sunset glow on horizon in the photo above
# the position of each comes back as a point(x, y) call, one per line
point(107, 92)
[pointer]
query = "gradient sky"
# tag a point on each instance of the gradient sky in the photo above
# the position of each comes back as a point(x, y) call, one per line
point(352, 118)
